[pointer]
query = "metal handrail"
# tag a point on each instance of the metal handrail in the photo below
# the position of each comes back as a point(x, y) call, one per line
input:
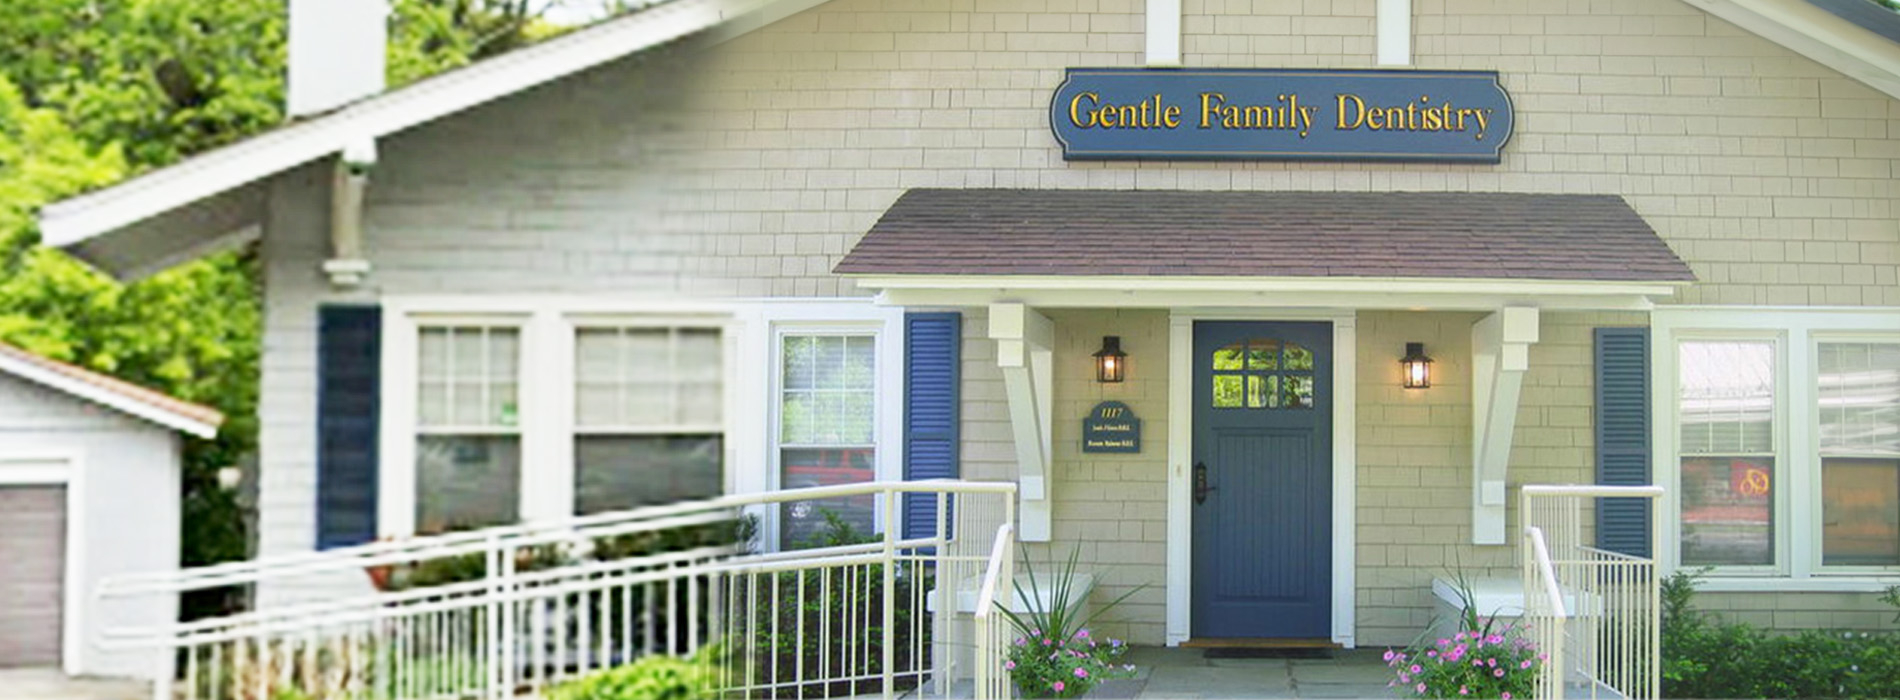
point(1546, 572)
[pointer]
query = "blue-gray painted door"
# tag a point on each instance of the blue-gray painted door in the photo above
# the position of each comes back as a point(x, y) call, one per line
point(1262, 479)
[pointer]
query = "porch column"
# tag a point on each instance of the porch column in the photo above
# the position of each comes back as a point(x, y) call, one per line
point(1024, 340)
point(1500, 352)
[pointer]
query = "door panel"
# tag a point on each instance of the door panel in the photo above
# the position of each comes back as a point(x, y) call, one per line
point(1263, 521)
point(32, 574)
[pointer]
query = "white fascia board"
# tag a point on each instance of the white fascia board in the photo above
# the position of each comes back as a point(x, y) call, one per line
point(108, 398)
point(1818, 35)
point(1253, 292)
point(75, 220)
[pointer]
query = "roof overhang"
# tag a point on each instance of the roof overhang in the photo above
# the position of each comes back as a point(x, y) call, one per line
point(1422, 294)
point(1807, 28)
point(214, 199)
point(127, 398)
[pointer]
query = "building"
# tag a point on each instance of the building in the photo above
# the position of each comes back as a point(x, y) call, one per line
point(89, 488)
point(744, 245)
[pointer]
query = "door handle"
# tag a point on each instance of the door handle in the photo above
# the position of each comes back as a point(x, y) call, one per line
point(1200, 483)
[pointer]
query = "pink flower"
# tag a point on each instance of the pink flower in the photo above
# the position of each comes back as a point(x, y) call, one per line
point(1477, 663)
point(1493, 663)
point(1462, 690)
point(1081, 672)
point(1526, 664)
point(1416, 668)
point(1507, 695)
point(1405, 678)
point(1498, 672)
point(1496, 639)
point(1459, 636)
point(1420, 687)
point(1082, 634)
point(1058, 686)
point(1444, 642)
point(1009, 665)
point(1432, 653)
point(1390, 655)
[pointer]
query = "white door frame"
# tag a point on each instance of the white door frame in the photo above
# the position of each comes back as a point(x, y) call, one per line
point(60, 469)
point(1181, 452)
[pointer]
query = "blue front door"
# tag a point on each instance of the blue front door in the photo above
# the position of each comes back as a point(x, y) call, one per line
point(1262, 480)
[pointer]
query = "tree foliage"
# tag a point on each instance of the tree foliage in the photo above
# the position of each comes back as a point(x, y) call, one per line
point(92, 92)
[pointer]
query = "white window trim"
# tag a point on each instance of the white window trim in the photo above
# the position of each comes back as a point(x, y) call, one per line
point(546, 396)
point(1798, 332)
point(768, 323)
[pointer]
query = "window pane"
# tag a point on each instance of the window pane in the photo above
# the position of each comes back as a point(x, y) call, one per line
point(1728, 397)
point(1727, 510)
point(829, 395)
point(1263, 353)
point(1263, 390)
point(1298, 357)
point(803, 524)
point(466, 481)
point(467, 376)
point(1226, 391)
point(798, 418)
point(1299, 391)
point(1229, 358)
point(1860, 512)
point(1860, 399)
point(617, 472)
point(631, 377)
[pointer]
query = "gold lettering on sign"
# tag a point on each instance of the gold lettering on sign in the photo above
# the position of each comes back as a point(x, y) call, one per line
point(1416, 115)
point(1075, 109)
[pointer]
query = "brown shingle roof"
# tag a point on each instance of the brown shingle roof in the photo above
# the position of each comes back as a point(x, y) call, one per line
point(117, 388)
point(1265, 234)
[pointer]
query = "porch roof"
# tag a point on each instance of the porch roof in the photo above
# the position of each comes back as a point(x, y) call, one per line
point(1131, 248)
point(1265, 234)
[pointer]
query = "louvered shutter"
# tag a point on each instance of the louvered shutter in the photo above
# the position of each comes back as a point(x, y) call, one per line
point(1623, 436)
point(349, 363)
point(932, 352)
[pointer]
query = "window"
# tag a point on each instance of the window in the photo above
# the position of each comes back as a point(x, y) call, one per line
point(1785, 432)
point(1726, 409)
point(1859, 395)
point(468, 436)
point(1263, 373)
point(826, 429)
point(648, 414)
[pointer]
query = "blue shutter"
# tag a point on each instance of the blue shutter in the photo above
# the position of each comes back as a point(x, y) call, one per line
point(349, 363)
point(932, 352)
point(1623, 436)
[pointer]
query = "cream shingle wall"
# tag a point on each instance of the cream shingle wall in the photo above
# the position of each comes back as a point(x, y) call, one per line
point(750, 167)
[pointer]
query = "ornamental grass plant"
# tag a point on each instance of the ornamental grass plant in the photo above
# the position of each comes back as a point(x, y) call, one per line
point(1056, 655)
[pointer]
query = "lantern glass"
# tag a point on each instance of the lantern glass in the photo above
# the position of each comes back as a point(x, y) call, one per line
point(1111, 364)
point(1417, 367)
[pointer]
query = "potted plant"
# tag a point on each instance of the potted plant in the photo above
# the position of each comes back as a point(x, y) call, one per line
point(1056, 655)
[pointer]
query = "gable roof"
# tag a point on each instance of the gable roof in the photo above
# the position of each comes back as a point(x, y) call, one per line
point(1154, 233)
point(213, 198)
point(216, 199)
point(111, 392)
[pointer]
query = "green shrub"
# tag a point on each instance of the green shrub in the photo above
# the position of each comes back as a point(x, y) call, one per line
point(1703, 657)
point(650, 678)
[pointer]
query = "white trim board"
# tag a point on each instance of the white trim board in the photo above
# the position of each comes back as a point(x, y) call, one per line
point(65, 469)
point(1437, 294)
point(1180, 559)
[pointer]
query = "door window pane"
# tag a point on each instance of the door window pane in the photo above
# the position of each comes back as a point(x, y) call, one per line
point(618, 472)
point(1727, 514)
point(466, 481)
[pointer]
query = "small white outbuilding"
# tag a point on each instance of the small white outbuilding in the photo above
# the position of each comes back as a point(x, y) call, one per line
point(89, 488)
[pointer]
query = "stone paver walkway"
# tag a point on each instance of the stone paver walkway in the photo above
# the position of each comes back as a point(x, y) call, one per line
point(1185, 673)
point(50, 684)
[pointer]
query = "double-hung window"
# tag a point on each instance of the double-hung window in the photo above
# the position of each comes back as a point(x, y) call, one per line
point(648, 405)
point(468, 427)
point(1782, 443)
point(827, 428)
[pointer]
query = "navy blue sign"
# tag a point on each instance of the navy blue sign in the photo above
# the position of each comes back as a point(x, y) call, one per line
point(1111, 427)
point(1272, 114)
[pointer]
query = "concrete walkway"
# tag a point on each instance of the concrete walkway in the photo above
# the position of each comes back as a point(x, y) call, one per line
point(50, 684)
point(1185, 673)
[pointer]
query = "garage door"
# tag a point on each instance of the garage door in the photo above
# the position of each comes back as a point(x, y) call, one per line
point(32, 565)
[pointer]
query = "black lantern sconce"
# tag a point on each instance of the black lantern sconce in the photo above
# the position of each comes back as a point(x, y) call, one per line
point(1418, 367)
point(1111, 364)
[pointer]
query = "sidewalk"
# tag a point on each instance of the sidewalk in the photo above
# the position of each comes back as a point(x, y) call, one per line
point(1184, 673)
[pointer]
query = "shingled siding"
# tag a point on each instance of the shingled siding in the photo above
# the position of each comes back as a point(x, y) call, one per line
point(751, 166)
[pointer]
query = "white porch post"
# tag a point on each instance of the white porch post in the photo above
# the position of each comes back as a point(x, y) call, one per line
point(1024, 342)
point(1500, 352)
point(1164, 33)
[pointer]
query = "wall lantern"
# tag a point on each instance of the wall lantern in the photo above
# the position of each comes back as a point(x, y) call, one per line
point(1418, 367)
point(1110, 362)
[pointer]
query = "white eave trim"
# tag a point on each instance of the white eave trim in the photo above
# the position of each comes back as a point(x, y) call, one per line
point(81, 218)
point(1237, 292)
point(1817, 34)
point(106, 397)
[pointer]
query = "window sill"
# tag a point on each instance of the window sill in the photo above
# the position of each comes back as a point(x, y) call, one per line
point(1818, 584)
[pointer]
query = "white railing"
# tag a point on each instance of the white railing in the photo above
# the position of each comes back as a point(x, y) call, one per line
point(991, 624)
point(1607, 604)
point(1544, 614)
point(511, 611)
